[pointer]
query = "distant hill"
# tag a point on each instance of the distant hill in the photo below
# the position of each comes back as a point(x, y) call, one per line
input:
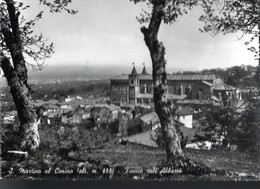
point(238, 76)
point(78, 71)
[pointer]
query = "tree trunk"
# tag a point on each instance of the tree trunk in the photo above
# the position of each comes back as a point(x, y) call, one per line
point(162, 105)
point(17, 78)
point(28, 131)
point(258, 67)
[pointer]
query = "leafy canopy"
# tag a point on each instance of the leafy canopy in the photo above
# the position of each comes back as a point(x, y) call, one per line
point(231, 16)
point(172, 9)
point(21, 31)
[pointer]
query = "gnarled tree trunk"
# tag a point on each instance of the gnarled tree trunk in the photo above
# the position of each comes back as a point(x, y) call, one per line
point(17, 78)
point(28, 131)
point(258, 66)
point(162, 106)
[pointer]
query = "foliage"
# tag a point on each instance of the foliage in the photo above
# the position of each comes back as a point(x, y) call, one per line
point(172, 9)
point(238, 76)
point(219, 125)
point(15, 28)
point(187, 166)
point(233, 16)
point(225, 126)
point(250, 126)
point(134, 127)
point(114, 127)
point(61, 90)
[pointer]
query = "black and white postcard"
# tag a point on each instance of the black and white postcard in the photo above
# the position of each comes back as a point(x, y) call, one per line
point(130, 90)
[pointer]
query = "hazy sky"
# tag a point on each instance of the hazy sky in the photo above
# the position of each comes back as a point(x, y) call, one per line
point(106, 32)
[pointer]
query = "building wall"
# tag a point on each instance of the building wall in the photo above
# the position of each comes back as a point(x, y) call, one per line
point(3, 82)
point(119, 92)
point(147, 101)
point(201, 91)
point(127, 90)
point(231, 95)
point(186, 120)
point(182, 86)
point(119, 97)
point(146, 86)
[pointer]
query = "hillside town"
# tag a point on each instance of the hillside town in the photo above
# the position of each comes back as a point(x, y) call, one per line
point(153, 90)
point(122, 120)
point(131, 99)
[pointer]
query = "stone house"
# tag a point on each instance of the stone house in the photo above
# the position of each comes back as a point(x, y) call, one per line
point(185, 116)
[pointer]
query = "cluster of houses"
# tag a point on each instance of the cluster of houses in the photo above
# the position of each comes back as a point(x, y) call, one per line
point(132, 98)
point(75, 110)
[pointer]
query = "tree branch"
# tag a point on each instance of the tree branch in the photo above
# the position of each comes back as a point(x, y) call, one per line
point(14, 20)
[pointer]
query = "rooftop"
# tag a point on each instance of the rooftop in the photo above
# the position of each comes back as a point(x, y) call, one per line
point(195, 77)
point(188, 101)
point(144, 72)
point(207, 83)
point(184, 111)
point(143, 139)
point(147, 95)
point(191, 77)
point(223, 87)
point(176, 97)
point(150, 117)
point(134, 72)
point(121, 77)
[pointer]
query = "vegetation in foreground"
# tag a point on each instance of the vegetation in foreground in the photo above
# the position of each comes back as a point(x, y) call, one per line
point(79, 149)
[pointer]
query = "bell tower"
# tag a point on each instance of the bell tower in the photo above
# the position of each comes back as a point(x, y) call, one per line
point(133, 86)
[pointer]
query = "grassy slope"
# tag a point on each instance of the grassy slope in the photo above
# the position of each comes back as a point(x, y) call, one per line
point(101, 146)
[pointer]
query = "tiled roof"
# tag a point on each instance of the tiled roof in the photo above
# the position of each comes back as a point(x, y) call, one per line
point(196, 77)
point(65, 111)
point(76, 102)
point(176, 97)
point(50, 102)
point(169, 96)
point(215, 98)
point(150, 117)
point(143, 139)
point(194, 102)
point(184, 111)
point(191, 77)
point(121, 77)
point(223, 87)
point(111, 107)
point(207, 83)
point(145, 77)
point(52, 114)
point(147, 95)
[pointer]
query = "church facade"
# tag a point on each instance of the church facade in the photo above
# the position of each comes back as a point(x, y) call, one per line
point(137, 88)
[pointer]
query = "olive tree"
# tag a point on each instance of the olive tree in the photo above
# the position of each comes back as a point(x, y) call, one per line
point(18, 41)
point(163, 11)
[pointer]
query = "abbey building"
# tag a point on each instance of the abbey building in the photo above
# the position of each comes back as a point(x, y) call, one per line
point(137, 88)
